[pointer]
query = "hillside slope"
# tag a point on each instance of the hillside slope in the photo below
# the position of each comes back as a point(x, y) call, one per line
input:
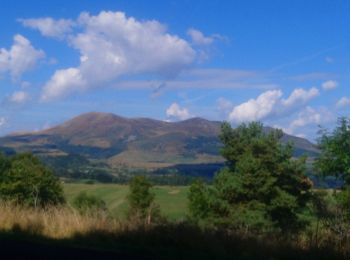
point(133, 143)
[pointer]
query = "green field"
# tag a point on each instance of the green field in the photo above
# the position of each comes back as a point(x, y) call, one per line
point(172, 200)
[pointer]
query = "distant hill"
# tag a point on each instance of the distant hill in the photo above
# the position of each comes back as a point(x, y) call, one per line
point(118, 142)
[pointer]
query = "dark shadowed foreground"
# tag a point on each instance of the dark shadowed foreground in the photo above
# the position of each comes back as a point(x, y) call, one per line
point(170, 241)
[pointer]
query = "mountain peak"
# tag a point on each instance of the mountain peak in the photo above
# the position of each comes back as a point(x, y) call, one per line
point(141, 142)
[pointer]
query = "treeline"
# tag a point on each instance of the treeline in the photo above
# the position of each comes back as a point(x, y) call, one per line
point(76, 168)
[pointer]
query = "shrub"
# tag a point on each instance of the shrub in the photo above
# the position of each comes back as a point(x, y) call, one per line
point(89, 204)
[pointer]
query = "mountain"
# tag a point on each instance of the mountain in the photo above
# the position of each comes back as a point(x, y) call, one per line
point(118, 142)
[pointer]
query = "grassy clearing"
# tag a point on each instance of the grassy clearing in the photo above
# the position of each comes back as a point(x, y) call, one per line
point(172, 200)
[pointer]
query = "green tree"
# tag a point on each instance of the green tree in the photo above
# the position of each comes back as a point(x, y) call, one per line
point(335, 151)
point(262, 187)
point(141, 200)
point(25, 180)
point(89, 204)
point(198, 200)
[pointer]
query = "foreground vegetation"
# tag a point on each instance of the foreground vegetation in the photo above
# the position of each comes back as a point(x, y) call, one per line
point(67, 228)
point(261, 204)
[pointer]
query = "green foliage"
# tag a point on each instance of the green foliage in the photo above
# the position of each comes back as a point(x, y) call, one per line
point(262, 187)
point(25, 180)
point(141, 201)
point(140, 197)
point(89, 204)
point(198, 200)
point(343, 202)
point(335, 151)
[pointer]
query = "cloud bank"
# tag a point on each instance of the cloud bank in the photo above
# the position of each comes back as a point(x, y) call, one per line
point(112, 45)
point(271, 103)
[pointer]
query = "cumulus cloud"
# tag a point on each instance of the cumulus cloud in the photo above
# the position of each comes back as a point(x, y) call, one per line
point(21, 57)
point(198, 37)
point(64, 82)
point(256, 109)
point(343, 102)
point(329, 85)
point(271, 103)
point(305, 118)
point(112, 45)
point(177, 112)
point(49, 27)
point(300, 96)
point(19, 97)
point(308, 116)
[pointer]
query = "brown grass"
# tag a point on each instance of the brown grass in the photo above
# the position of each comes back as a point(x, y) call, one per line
point(167, 240)
point(56, 223)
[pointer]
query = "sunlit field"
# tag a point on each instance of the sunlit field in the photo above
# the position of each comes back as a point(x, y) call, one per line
point(172, 200)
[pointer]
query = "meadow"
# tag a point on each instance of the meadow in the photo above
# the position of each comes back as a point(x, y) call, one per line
point(171, 199)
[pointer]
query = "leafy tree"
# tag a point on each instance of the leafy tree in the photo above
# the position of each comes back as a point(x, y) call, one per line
point(141, 200)
point(25, 180)
point(262, 187)
point(198, 200)
point(335, 151)
point(89, 204)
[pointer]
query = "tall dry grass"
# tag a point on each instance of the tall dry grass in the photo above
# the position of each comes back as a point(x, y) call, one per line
point(54, 222)
point(168, 240)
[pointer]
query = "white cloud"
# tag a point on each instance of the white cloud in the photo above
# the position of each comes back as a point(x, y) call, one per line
point(306, 117)
point(19, 97)
point(343, 102)
point(270, 103)
point(49, 27)
point(21, 57)
point(256, 109)
point(299, 96)
point(176, 112)
point(198, 37)
point(329, 85)
point(113, 45)
point(63, 82)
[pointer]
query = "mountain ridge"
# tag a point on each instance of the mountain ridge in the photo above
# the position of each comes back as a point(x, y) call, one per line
point(132, 142)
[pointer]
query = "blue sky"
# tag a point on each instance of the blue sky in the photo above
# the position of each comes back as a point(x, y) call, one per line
point(285, 63)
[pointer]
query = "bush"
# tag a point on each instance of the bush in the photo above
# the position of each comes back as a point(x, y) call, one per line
point(89, 204)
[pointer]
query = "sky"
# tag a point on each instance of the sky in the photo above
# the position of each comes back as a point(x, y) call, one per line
point(283, 63)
